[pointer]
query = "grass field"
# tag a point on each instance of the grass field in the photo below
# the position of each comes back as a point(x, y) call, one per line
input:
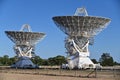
point(58, 74)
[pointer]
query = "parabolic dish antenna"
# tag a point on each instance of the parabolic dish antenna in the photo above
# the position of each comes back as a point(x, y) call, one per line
point(25, 38)
point(80, 29)
point(84, 26)
point(25, 42)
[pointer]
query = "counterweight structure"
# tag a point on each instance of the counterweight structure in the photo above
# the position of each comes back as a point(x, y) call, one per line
point(25, 41)
point(81, 30)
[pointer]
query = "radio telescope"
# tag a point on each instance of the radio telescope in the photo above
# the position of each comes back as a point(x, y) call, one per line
point(25, 41)
point(81, 30)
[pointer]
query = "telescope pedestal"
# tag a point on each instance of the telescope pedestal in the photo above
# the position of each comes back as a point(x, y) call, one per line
point(24, 62)
point(80, 62)
point(78, 57)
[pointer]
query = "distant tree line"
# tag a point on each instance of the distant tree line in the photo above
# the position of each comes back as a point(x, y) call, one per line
point(105, 60)
point(6, 61)
point(58, 60)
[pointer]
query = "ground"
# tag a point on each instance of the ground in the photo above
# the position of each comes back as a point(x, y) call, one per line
point(9, 76)
point(56, 75)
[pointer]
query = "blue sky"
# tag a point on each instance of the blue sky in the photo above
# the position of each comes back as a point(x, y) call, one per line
point(38, 14)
